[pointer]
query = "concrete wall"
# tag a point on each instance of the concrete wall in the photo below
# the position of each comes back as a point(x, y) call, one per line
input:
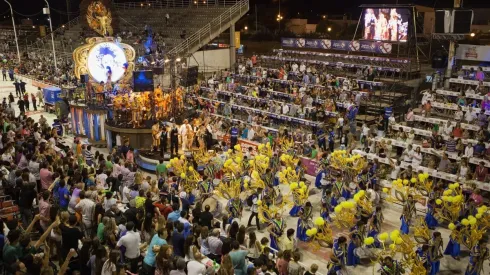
point(210, 60)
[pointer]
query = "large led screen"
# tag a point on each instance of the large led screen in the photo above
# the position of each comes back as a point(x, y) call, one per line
point(386, 24)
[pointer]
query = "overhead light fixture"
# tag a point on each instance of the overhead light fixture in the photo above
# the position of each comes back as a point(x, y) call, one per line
point(329, 29)
point(178, 59)
point(63, 26)
point(246, 28)
point(472, 34)
point(167, 60)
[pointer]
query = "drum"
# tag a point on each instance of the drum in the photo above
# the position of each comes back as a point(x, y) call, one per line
point(215, 206)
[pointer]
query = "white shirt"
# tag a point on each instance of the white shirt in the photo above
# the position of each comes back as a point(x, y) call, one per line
point(416, 158)
point(407, 155)
point(395, 172)
point(126, 192)
point(285, 109)
point(302, 67)
point(340, 121)
point(108, 203)
point(131, 241)
point(183, 130)
point(469, 116)
point(195, 268)
point(409, 116)
point(251, 134)
point(101, 179)
point(458, 115)
point(87, 207)
point(108, 268)
point(447, 129)
point(468, 151)
point(294, 67)
point(391, 120)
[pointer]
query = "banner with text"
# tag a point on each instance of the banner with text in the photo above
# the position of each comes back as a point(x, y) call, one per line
point(340, 45)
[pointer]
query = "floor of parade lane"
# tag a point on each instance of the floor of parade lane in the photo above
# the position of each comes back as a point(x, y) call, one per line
point(310, 253)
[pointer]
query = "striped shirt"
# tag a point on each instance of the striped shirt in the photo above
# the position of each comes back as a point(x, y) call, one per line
point(214, 245)
point(451, 145)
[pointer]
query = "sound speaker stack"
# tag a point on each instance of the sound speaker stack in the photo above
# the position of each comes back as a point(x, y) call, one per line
point(189, 76)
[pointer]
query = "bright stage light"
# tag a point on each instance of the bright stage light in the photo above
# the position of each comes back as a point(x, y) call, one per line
point(472, 34)
point(105, 56)
point(167, 60)
point(178, 59)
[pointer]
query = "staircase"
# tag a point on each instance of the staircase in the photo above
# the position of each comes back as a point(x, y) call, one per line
point(211, 30)
point(203, 20)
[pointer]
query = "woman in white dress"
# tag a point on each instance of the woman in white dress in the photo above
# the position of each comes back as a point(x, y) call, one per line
point(463, 170)
point(417, 157)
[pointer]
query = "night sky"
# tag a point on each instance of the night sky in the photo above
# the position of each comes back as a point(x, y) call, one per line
point(306, 8)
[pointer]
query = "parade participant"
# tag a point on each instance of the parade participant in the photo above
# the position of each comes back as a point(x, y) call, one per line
point(423, 257)
point(356, 237)
point(155, 133)
point(174, 141)
point(391, 267)
point(327, 205)
point(430, 220)
point(478, 254)
point(235, 208)
point(407, 214)
point(375, 225)
point(276, 228)
point(340, 250)
point(163, 140)
point(206, 188)
point(184, 132)
point(435, 252)
point(453, 247)
point(233, 136)
point(254, 199)
point(305, 216)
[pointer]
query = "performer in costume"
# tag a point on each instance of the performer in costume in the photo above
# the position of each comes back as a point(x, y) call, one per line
point(334, 266)
point(478, 254)
point(305, 215)
point(356, 237)
point(206, 188)
point(423, 257)
point(276, 229)
point(297, 200)
point(340, 250)
point(321, 178)
point(234, 207)
point(300, 170)
point(430, 220)
point(391, 267)
point(453, 247)
point(155, 134)
point(435, 252)
point(327, 205)
point(375, 223)
point(407, 214)
point(348, 190)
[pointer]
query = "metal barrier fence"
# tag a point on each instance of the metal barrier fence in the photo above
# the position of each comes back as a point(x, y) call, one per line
point(165, 4)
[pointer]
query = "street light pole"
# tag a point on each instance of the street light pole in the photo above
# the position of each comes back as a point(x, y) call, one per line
point(15, 32)
point(48, 12)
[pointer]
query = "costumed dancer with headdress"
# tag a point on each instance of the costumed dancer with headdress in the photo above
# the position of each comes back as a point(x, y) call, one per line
point(375, 223)
point(436, 255)
point(305, 215)
point(356, 237)
point(276, 229)
point(478, 254)
point(391, 267)
point(430, 220)
point(407, 214)
point(423, 257)
point(348, 190)
point(453, 247)
point(234, 207)
point(206, 188)
point(327, 205)
point(298, 193)
point(321, 178)
point(340, 251)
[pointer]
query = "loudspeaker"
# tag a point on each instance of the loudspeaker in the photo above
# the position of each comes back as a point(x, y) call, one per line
point(190, 76)
point(439, 61)
point(443, 21)
point(462, 20)
point(83, 78)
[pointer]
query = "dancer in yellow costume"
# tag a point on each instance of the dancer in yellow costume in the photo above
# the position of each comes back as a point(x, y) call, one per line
point(155, 134)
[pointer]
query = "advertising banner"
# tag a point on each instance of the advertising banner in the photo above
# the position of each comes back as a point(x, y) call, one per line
point(340, 45)
point(473, 52)
point(311, 165)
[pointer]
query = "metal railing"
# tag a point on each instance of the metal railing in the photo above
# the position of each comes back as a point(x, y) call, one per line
point(165, 4)
point(205, 34)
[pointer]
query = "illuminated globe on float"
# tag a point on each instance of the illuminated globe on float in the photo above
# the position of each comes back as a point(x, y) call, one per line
point(104, 57)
